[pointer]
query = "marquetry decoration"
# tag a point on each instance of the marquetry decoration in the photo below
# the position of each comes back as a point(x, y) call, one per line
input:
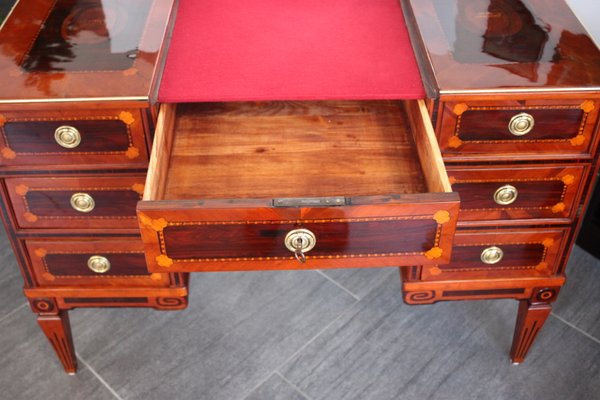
point(30, 217)
point(164, 261)
point(126, 117)
point(558, 207)
point(441, 217)
point(132, 152)
point(568, 179)
point(21, 190)
point(545, 294)
point(8, 153)
point(548, 242)
point(156, 225)
point(454, 142)
point(588, 106)
point(44, 306)
point(460, 108)
point(423, 297)
point(40, 252)
point(138, 188)
point(159, 240)
point(578, 140)
point(435, 271)
point(170, 302)
point(433, 253)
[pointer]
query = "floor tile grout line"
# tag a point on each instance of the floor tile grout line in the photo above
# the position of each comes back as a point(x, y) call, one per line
point(296, 388)
point(330, 279)
point(15, 310)
point(99, 377)
point(305, 345)
point(584, 333)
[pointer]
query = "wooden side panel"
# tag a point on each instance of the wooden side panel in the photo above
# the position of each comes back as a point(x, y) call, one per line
point(430, 156)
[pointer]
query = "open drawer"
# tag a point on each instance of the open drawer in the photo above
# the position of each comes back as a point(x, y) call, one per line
point(282, 185)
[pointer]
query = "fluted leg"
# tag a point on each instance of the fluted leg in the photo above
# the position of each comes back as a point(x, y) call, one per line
point(58, 331)
point(530, 319)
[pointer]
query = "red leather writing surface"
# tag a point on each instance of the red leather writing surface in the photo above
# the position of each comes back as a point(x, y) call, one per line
point(230, 50)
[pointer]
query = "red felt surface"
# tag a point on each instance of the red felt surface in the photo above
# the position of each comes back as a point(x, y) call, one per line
point(236, 50)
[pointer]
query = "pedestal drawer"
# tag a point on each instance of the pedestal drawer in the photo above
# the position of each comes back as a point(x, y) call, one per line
point(511, 129)
point(76, 202)
point(517, 194)
point(82, 138)
point(501, 254)
point(96, 262)
point(283, 185)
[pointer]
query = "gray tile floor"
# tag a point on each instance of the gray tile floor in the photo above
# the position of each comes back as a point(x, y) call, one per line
point(302, 335)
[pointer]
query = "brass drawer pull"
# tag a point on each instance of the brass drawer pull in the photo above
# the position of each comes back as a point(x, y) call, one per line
point(521, 124)
point(82, 202)
point(492, 255)
point(506, 195)
point(67, 136)
point(300, 241)
point(98, 264)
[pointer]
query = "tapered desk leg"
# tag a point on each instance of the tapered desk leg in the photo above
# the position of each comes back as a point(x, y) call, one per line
point(530, 319)
point(58, 331)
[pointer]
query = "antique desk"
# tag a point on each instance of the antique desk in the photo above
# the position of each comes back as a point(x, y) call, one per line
point(456, 139)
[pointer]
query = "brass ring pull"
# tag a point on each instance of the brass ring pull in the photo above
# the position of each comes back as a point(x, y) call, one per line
point(98, 264)
point(492, 255)
point(67, 136)
point(521, 124)
point(506, 195)
point(82, 202)
point(300, 241)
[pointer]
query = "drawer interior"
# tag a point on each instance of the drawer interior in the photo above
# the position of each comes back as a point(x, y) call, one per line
point(229, 182)
point(291, 150)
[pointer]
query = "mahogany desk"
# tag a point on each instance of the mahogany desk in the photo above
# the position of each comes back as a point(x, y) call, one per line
point(285, 136)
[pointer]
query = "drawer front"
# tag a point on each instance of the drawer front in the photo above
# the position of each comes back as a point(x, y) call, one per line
point(212, 236)
point(82, 202)
point(82, 138)
point(103, 262)
point(517, 193)
point(501, 254)
point(521, 129)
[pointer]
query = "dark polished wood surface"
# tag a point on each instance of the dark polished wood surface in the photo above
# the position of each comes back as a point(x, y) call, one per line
point(476, 45)
point(51, 50)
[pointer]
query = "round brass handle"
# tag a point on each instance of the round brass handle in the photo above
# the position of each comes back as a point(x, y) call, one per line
point(82, 202)
point(67, 136)
point(521, 124)
point(98, 264)
point(300, 241)
point(492, 255)
point(506, 195)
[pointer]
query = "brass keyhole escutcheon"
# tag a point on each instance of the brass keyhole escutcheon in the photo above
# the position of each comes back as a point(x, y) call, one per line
point(521, 124)
point(506, 195)
point(492, 255)
point(67, 136)
point(82, 202)
point(98, 264)
point(300, 241)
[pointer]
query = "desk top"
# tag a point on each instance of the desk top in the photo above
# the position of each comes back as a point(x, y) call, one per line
point(231, 50)
point(57, 50)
